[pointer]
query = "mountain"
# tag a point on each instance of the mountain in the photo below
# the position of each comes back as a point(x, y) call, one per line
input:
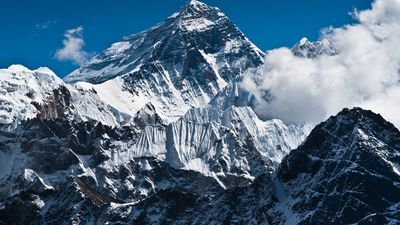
point(158, 130)
point(158, 113)
point(179, 64)
point(207, 136)
point(346, 172)
point(305, 48)
point(197, 34)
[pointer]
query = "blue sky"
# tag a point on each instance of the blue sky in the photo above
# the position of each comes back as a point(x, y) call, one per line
point(32, 31)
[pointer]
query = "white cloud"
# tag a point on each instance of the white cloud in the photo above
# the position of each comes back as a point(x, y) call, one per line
point(73, 47)
point(45, 25)
point(364, 73)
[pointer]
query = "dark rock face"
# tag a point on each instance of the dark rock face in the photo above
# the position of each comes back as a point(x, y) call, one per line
point(253, 204)
point(147, 116)
point(241, 205)
point(44, 158)
point(52, 144)
point(57, 106)
point(346, 171)
point(21, 210)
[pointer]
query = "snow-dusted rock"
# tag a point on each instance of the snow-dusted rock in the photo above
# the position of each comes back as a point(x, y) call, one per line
point(345, 172)
point(232, 142)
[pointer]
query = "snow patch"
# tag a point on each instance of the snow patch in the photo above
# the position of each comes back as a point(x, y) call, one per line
point(119, 47)
point(199, 24)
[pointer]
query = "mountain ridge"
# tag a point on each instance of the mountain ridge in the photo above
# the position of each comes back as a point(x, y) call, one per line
point(158, 130)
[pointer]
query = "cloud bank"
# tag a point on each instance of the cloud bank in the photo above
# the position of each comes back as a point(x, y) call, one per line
point(73, 47)
point(364, 73)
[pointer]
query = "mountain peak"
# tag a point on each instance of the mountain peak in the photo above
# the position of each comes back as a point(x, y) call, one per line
point(361, 118)
point(192, 27)
point(195, 3)
point(304, 41)
point(308, 49)
point(18, 68)
point(194, 7)
point(198, 16)
point(348, 126)
point(352, 160)
point(190, 8)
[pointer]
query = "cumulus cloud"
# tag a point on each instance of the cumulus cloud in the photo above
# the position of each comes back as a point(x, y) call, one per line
point(364, 73)
point(73, 47)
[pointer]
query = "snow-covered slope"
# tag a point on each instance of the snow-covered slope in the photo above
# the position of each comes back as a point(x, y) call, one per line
point(221, 143)
point(23, 92)
point(224, 140)
point(181, 63)
point(89, 106)
point(26, 94)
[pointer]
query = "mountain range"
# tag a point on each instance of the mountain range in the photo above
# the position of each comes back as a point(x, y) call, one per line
point(157, 129)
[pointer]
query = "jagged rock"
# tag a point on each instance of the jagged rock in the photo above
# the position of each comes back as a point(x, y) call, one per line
point(57, 105)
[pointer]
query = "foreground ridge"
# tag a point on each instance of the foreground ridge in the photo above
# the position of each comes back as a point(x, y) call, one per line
point(344, 173)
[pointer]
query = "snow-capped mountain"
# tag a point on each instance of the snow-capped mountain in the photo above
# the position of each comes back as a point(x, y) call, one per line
point(346, 172)
point(197, 30)
point(181, 63)
point(158, 112)
point(180, 68)
point(88, 159)
point(157, 130)
point(305, 48)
